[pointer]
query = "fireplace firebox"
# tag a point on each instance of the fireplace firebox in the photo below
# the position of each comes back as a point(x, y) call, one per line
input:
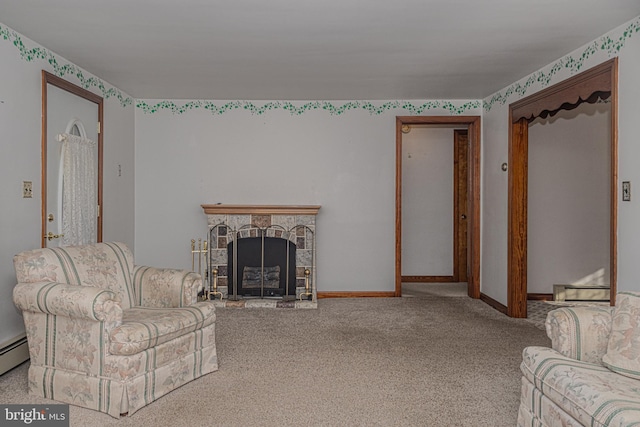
point(266, 267)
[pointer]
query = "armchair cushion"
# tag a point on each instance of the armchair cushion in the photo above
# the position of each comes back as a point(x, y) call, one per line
point(146, 327)
point(623, 350)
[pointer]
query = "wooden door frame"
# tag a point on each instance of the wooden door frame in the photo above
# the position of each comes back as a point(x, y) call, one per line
point(571, 92)
point(48, 78)
point(473, 124)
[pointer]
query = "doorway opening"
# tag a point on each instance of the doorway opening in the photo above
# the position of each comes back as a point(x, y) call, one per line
point(600, 82)
point(466, 197)
point(53, 85)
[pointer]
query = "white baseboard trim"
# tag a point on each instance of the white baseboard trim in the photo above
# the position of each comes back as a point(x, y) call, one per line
point(13, 352)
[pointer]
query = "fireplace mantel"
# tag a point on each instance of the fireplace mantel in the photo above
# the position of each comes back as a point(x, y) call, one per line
point(222, 209)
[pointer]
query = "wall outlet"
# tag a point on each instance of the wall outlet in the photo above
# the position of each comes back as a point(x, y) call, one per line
point(27, 189)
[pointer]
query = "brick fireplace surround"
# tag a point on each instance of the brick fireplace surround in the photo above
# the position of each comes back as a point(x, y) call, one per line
point(296, 223)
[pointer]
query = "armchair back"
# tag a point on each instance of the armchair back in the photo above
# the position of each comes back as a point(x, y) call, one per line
point(107, 266)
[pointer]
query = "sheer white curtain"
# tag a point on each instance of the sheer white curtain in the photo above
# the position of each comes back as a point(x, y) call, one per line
point(79, 184)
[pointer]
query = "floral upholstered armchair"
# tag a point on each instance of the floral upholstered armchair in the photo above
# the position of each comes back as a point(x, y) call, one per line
point(106, 334)
point(591, 374)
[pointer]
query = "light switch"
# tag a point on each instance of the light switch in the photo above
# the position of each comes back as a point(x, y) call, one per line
point(626, 191)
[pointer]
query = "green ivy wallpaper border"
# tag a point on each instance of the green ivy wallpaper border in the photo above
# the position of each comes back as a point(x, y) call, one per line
point(611, 44)
point(297, 110)
point(62, 70)
point(336, 109)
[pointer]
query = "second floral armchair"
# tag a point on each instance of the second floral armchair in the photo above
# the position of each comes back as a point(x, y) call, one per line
point(106, 334)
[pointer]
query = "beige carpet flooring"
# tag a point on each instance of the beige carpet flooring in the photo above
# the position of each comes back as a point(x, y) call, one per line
point(431, 358)
point(536, 310)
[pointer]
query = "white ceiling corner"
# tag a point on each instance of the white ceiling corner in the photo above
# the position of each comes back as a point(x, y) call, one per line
point(322, 50)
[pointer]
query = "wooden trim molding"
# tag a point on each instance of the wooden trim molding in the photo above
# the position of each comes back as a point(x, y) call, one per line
point(572, 91)
point(261, 209)
point(493, 303)
point(601, 79)
point(428, 279)
point(539, 297)
point(517, 221)
point(70, 87)
point(356, 294)
point(613, 219)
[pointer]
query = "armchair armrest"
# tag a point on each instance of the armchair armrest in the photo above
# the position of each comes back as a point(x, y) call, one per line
point(60, 299)
point(581, 333)
point(166, 287)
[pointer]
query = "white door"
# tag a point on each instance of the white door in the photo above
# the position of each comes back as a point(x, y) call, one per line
point(66, 113)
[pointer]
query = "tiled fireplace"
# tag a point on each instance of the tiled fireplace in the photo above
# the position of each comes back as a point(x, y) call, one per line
point(262, 256)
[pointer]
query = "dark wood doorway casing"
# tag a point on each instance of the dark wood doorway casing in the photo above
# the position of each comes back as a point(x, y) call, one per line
point(601, 79)
point(473, 202)
point(48, 78)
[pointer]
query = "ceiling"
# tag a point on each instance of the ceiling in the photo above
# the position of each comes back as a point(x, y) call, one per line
point(313, 50)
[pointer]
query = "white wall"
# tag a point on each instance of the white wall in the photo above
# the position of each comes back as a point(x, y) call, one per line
point(344, 162)
point(623, 42)
point(20, 121)
point(569, 198)
point(427, 201)
point(119, 174)
point(628, 168)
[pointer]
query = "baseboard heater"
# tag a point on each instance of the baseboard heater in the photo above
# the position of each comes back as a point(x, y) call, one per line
point(581, 293)
point(13, 352)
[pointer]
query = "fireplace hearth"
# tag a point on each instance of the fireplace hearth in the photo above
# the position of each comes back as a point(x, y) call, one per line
point(261, 256)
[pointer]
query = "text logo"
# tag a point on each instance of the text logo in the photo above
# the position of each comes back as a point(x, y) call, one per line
point(34, 415)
